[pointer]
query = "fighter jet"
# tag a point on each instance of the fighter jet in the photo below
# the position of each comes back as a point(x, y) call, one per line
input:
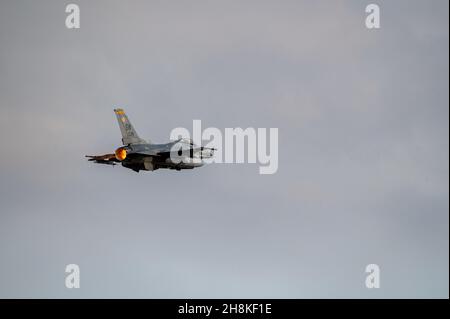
point(141, 155)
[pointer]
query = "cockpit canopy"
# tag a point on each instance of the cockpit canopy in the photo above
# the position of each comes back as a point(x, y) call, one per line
point(186, 141)
point(195, 151)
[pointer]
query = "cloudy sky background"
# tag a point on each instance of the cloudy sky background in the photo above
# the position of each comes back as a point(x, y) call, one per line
point(363, 149)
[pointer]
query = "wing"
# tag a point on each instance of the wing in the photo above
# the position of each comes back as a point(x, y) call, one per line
point(108, 159)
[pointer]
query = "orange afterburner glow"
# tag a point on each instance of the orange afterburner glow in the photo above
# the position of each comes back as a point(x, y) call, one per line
point(121, 154)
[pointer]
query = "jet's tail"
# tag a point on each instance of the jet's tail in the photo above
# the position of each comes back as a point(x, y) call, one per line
point(129, 135)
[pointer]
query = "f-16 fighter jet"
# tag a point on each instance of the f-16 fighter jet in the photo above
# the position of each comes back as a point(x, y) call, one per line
point(140, 155)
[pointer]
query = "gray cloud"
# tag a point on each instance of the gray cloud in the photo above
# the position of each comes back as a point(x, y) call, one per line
point(363, 172)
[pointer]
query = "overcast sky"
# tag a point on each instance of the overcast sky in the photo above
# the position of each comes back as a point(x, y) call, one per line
point(363, 176)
